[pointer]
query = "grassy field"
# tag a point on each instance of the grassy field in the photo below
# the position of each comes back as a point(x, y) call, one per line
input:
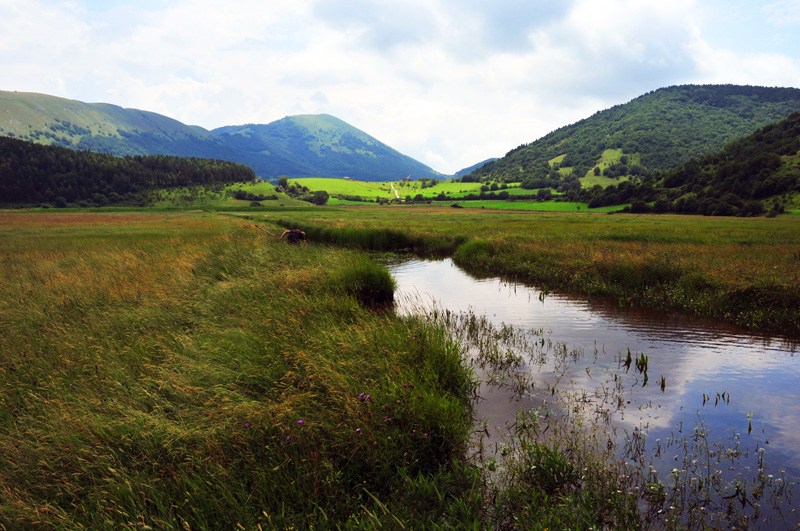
point(186, 371)
point(183, 371)
point(367, 190)
point(741, 270)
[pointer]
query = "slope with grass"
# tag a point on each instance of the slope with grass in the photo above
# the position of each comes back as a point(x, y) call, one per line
point(103, 127)
point(665, 128)
point(324, 146)
point(297, 146)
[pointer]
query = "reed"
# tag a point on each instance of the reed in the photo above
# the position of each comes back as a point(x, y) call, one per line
point(742, 271)
point(182, 371)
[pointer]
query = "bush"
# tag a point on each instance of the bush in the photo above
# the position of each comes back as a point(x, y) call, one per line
point(370, 283)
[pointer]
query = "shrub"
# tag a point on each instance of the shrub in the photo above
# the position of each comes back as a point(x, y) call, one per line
point(370, 283)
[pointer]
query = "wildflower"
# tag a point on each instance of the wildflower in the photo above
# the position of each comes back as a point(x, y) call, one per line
point(300, 421)
point(358, 430)
point(388, 419)
point(246, 424)
point(425, 435)
point(288, 437)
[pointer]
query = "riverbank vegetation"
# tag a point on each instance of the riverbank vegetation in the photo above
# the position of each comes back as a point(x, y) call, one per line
point(736, 270)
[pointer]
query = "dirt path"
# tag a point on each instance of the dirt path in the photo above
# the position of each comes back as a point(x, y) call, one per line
point(394, 190)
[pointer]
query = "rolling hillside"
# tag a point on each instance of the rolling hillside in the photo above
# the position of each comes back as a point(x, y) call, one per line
point(103, 128)
point(654, 132)
point(299, 146)
point(324, 146)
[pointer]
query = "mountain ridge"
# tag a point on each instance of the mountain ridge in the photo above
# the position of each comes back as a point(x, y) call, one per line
point(109, 128)
point(662, 129)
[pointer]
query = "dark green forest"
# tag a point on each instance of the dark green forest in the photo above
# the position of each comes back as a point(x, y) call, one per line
point(736, 181)
point(34, 174)
point(665, 128)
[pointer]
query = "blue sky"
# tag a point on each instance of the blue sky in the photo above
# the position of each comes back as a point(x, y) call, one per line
point(447, 82)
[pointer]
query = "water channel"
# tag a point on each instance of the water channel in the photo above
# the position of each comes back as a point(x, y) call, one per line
point(738, 385)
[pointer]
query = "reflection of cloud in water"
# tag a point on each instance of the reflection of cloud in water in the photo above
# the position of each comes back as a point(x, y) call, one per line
point(696, 357)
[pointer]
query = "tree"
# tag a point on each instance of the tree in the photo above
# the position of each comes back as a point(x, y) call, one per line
point(320, 197)
point(283, 182)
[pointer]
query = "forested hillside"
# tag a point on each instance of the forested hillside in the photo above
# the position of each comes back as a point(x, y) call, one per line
point(735, 181)
point(655, 132)
point(322, 146)
point(31, 173)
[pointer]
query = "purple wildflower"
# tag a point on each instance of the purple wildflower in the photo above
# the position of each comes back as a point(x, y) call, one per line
point(300, 421)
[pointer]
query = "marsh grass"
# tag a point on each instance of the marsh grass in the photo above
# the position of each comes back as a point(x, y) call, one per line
point(185, 371)
point(182, 372)
point(742, 271)
point(565, 463)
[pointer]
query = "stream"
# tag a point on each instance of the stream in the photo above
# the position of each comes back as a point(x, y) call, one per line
point(740, 388)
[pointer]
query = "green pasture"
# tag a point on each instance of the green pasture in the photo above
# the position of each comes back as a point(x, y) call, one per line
point(365, 189)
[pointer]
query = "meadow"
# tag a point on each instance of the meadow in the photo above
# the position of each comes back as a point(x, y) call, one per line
point(739, 270)
point(184, 370)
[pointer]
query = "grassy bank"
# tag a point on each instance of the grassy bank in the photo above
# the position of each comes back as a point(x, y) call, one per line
point(744, 271)
point(180, 371)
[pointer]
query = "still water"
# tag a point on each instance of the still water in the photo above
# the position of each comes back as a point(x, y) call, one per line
point(757, 376)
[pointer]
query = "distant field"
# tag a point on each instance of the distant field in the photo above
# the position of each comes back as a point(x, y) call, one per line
point(609, 157)
point(368, 190)
point(371, 190)
point(550, 206)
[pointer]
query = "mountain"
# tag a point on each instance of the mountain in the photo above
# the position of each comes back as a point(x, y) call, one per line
point(103, 128)
point(323, 146)
point(654, 132)
point(763, 165)
point(467, 171)
point(298, 146)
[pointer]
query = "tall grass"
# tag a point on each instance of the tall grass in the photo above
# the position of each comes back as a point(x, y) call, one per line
point(184, 372)
point(743, 271)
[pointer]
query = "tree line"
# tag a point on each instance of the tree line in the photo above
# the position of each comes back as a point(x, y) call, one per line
point(32, 174)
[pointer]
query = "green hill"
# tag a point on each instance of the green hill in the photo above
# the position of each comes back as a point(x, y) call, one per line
point(299, 146)
point(324, 146)
point(655, 132)
point(748, 176)
point(103, 128)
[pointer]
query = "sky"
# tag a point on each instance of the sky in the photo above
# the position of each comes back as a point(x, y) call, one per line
point(447, 82)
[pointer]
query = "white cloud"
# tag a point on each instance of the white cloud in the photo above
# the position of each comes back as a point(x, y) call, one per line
point(785, 12)
point(447, 82)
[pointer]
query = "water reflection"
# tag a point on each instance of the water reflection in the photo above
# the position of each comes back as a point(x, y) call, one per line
point(698, 359)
